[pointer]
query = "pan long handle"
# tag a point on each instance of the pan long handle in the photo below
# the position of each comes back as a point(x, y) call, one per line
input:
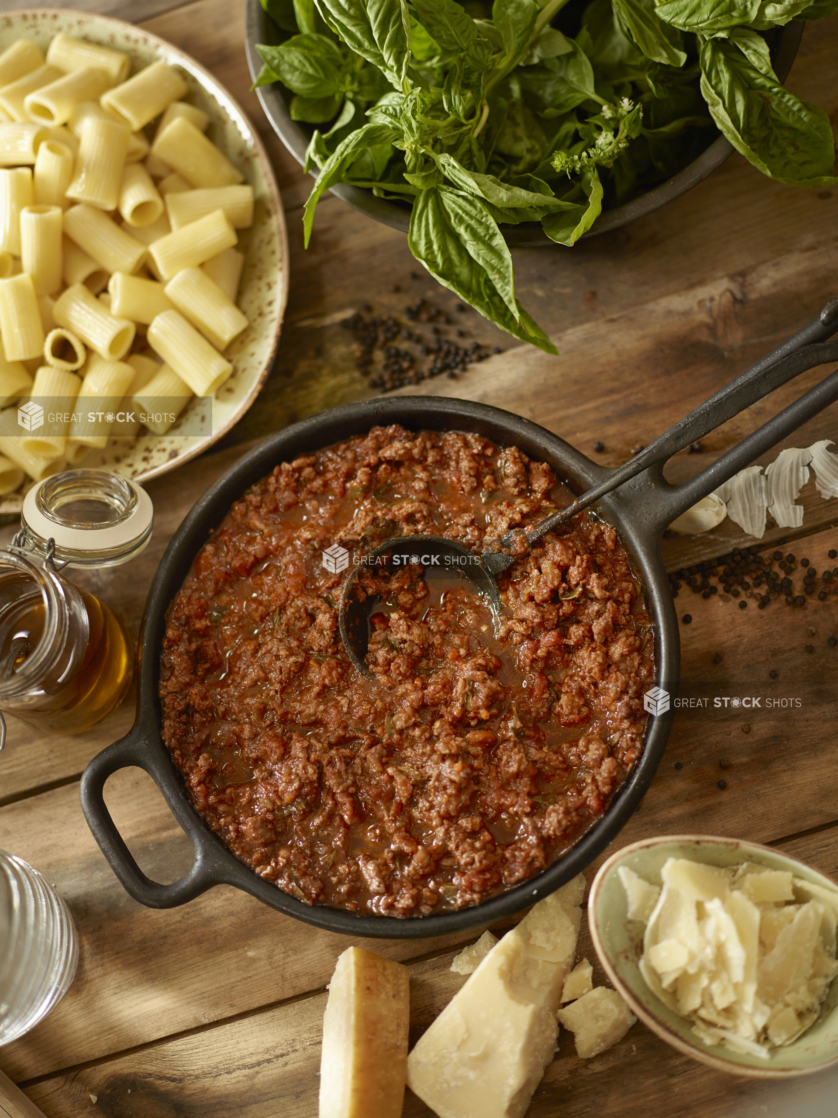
point(673, 500)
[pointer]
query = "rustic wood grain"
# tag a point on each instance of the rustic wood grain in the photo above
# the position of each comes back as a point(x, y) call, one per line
point(13, 1102)
point(270, 1060)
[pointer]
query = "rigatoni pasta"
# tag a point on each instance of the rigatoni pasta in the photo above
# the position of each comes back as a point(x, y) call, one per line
point(185, 149)
point(41, 247)
point(83, 207)
point(139, 199)
point(53, 170)
point(193, 244)
point(184, 207)
point(146, 95)
point(80, 311)
point(11, 476)
point(102, 239)
point(103, 146)
point(189, 354)
point(20, 319)
point(205, 305)
point(18, 60)
point(70, 54)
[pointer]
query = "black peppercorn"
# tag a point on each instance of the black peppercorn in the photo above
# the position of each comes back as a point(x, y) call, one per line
point(723, 784)
point(743, 604)
point(773, 673)
point(687, 618)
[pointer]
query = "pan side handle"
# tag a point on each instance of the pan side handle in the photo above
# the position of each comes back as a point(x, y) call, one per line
point(673, 500)
point(206, 871)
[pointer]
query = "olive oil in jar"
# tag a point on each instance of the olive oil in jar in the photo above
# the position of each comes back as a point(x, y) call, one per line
point(65, 660)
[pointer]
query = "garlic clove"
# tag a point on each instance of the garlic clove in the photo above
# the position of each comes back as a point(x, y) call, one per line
point(707, 513)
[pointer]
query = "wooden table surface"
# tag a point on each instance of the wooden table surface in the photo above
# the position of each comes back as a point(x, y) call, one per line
point(215, 1008)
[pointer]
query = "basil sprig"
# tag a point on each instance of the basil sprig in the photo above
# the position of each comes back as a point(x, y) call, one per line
point(478, 114)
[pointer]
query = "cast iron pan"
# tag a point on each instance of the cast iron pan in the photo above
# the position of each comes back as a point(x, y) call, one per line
point(639, 510)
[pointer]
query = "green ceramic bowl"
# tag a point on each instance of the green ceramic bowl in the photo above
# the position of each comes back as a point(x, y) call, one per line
point(619, 944)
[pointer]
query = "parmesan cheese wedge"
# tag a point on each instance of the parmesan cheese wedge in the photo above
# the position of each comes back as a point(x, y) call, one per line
point(472, 956)
point(597, 1020)
point(484, 1055)
point(364, 1061)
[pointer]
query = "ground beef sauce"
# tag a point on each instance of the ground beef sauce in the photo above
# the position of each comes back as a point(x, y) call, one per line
point(475, 758)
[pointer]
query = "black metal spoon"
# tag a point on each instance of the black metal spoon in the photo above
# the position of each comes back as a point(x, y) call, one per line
point(798, 353)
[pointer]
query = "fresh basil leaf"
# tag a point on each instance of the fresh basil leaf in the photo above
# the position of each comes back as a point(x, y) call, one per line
point(568, 226)
point(306, 16)
point(369, 84)
point(371, 164)
point(309, 65)
point(454, 98)
point(336, 165)
point(491, 189)
point(422, 45)
point(521, 137)
point(549, 44)
point(447, 22)
point(708, 16)
point(515, 19)
point(445, 231)
point(784, 137)
point(819, 9)
point(282, 13)
point(378, 30)
point(602, 38)
point(560, 84)
point(314, 110)
point(425, 180)
point(266, 76)
point(657, 40)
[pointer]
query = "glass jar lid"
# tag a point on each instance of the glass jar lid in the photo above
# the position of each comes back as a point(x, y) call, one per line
point(93, 518)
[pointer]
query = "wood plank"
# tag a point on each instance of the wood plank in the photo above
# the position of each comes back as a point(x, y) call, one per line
point(270, 1059)
point(149, 973)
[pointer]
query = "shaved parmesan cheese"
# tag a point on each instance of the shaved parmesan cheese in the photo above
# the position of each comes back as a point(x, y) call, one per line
point(597, 1020)
point(471, 957)
point(642, 897)
point(747, 953)
point(578, 982)
point(746, 497)
point(786, 476)
point(825, 465)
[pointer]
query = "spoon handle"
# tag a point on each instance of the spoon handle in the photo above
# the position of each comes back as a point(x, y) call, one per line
point(802, 351)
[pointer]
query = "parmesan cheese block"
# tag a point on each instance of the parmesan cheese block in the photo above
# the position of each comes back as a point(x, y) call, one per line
point(484, 1055)
point(472, 956)
point(597, 1020)
point(578, 982)
point(364, 1059)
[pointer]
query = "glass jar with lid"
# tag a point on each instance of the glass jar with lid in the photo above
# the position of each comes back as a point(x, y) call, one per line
point(65, 659)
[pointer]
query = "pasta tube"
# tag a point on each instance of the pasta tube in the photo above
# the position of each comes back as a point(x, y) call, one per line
point(102, 150)
point(56, 391)
point(11, 447)
point(70, 54)
point(193, 244)
point(128, 423)
point(140, 300)
point(185, 207)
point(81, 268)
point(15, 195)
point(205, 305)
point(18, 60)
point(111, 247)
point(64, 350)
point(84, 112)
point(138, 147)
point(54, 103)
point(173, 183)
point(41, 249)
point(146, 94)
point(11, 476)
point(20, 319)
point(191, 356)
point(187, 150)
point(12, 96)
point(7, 264)
point(14, 381)
point(182, 108)
point(53, 171)
point(81, 312)
point(162, 400)
point(45, 305)
point(156, 167)
point(19, 142)
point(104, 387)
point(226, 270)
point(139, 199)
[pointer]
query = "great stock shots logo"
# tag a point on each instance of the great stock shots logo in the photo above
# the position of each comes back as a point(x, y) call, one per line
point(656, 701)
point(30, 416)
point(335, 559)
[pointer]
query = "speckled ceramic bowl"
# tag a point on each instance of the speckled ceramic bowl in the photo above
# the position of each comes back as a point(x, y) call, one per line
point(619, 944)
point(264, 287)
